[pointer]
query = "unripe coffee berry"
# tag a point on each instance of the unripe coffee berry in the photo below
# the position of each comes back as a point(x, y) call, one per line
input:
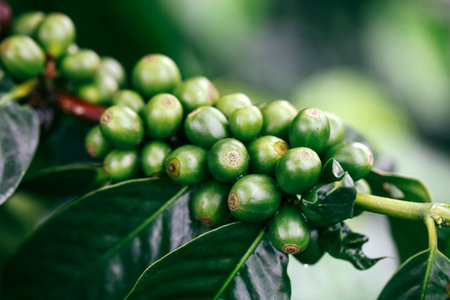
point(55, 34)
point(122, 127)
point(298, 170)
point(196, 92)
point(96, 145)
point(313, 252)
point(278, 116)
point(229, 103)
point(246, 123)
point(228, 160)
point(162, 115)
point(264, 154)
point(310, 128)
point(288, 231)
point(112, 67)
point(81, 65)
point(186, 165)
point(205, 126)
point(209, 203)
point(153, 157)
point(337, 130)
point(356, 158)
point(254, 198)
point(27, 23)
point(154, 74)
point(100, 91)
point(22, 57)
point(121, 164)
point(129, 98)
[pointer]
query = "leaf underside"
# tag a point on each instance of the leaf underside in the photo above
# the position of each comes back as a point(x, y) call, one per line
point(200, 268)
point(19, 137)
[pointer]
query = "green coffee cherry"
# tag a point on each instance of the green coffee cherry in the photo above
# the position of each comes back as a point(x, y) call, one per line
point(22, 57)
point(246, 123)
point(112, 67)
point(121, 164)
point(331, 171)
point(129, 98)
point(27, 23)
point(337, 130)
point(264, 154)
point(163, 115)
point(254, 198)
point(196, 92)
point(288, 231)
point(154, 74)
point(72, 49)
point(122, 127)
point(96, 145)
point(228, 160)
point(205, 126)
point(356, 158)
point(209, 203)
point(55, 34)
point(100, 91)
point(186, 165)
point(229, 103)
point(278, 116)
point(310, 128)
point(153, 157)
point(314, 252)
point(82, 65)
point(298, 170)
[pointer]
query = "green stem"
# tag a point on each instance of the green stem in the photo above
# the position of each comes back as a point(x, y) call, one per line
point(241, 262)
point(439, 212)
point(19, 91)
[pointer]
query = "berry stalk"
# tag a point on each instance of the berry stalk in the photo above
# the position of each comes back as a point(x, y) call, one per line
point(439, 212)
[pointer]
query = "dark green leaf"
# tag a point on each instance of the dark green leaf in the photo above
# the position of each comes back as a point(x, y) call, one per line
point(63, 181)
point(19, 137)
point(331, 171)
point(410, 236)
point(342, 243)
point(263, 276)
point(330, 203)
point(38, 198)
point(97, 246)
point(199, 269)
point(426, 275)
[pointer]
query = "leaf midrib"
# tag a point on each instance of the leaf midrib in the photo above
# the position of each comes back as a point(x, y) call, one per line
point(86, 270)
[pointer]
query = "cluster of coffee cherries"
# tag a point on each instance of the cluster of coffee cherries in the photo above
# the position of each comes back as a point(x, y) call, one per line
point(37, 37)
point(247, 162)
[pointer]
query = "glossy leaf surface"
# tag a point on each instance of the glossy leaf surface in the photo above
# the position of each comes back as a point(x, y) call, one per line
point(200, 269)
point(97, 246)
point(19, 137)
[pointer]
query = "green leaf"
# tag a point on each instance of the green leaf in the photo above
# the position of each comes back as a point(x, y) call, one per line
point(202, 268)
point(330, 203)
point(63, 181)
point(97, 246)
point(19, 137)
point(410, 236)
point(342, 243)
point(425, 275)
point(39, 196)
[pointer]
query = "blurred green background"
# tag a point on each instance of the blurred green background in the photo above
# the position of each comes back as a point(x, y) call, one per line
point(383, 66)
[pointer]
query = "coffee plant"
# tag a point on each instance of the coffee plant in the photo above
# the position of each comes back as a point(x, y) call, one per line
point(189, 194)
